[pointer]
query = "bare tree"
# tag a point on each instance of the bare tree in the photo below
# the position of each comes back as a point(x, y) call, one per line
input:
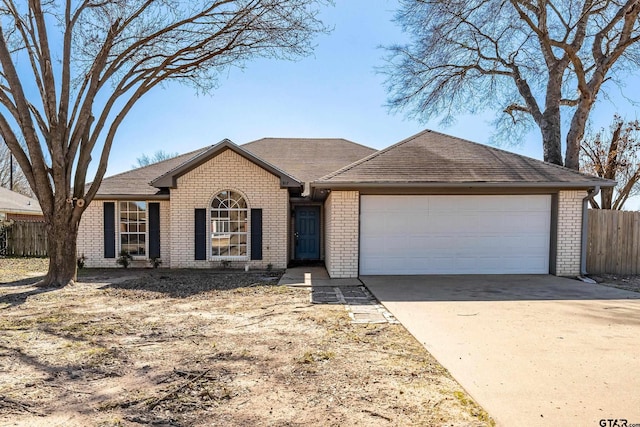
point(614, 154)
point(538, 62)
point(158, 156)
point(70, 72)
point(11, 175)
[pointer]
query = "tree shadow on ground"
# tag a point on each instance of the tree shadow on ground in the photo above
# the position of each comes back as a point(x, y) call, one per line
point(16, 299)
point(29, 281)
point(63, 376)
point(186, 283)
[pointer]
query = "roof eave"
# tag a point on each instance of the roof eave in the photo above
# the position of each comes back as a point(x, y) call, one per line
point(557, 185)
point(131, 197)
point(20, 211)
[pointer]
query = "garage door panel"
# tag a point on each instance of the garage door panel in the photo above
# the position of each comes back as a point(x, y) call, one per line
point(437, 245)
point(373, 247)
point(522, 244)
point(442, 222)
point(417, 265)
point(448, 265)
point(455, 234)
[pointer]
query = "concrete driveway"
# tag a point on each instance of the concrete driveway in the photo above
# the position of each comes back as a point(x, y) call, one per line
point(532, 350)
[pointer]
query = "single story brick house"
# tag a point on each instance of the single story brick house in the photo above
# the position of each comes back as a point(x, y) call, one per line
point(430, 204)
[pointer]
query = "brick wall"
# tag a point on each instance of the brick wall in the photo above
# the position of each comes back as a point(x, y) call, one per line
point(91, 236)
point(24, 217)
point(165, 236)
point(569, 232)
point(342, 210)
point(229, 171)
point(328, 212)
point(196, 189)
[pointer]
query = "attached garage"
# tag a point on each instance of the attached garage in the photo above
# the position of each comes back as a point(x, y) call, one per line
point(436, 204)
point(455, 234)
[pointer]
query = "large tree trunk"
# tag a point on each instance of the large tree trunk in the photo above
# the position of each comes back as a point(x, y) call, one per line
point(576, 133)
point(550, 119)
point(606, 198)
point(62, 231)
point(551, 135)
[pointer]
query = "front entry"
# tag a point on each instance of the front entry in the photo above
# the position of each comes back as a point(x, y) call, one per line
point(307, 233)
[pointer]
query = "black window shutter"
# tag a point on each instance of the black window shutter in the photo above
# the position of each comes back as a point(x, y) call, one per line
point(201, 233)
point(154, 230)
point(109, 229)
point(256, 234)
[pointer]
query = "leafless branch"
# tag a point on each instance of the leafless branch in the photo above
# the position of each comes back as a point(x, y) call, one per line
point(495, 54)
point(91, 61)
point(614, 154)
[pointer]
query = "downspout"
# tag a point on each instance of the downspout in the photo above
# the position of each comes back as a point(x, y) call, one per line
point(585, 217)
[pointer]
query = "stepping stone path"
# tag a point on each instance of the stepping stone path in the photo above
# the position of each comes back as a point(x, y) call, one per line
point(361, 305)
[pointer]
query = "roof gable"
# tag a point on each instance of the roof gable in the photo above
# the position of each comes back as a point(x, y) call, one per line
point(433, 159)
point(169, 179)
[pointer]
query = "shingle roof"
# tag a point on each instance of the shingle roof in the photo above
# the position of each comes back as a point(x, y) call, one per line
point(308, 159)
point(434, 159)
point(136, 182)
point(303, 159)
point(13, 202)
point(168, 179)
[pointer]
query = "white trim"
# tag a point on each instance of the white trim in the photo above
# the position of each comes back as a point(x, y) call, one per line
point(246, 233)
point(146, 232)
point(229, 258)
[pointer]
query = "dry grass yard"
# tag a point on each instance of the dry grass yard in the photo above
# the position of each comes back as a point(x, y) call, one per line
point(207, 348)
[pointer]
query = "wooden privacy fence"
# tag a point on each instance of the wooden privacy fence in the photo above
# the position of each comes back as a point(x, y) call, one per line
point(26, 239)
point(612, 242)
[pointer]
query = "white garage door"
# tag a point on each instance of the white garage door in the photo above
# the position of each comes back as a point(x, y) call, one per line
point(455, 234)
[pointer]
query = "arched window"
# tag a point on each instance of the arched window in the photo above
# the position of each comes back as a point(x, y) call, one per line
point(228, 225)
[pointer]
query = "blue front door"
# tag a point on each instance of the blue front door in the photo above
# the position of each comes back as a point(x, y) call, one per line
point(307, 233)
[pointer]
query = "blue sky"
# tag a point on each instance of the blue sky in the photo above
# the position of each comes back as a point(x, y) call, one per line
point(334, 93)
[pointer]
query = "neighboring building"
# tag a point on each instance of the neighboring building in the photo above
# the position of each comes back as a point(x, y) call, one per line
point(431, 204)
point(16, 207)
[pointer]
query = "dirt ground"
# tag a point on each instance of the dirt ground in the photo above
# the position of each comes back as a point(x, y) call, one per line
point(207, 348)
point(628, 283)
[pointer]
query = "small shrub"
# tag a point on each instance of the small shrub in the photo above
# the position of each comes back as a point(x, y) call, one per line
point(155, 262)
point(80, 261)
point(269, 267)
point(124, 259)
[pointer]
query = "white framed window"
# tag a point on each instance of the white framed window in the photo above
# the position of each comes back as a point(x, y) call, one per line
point(133, 228)
point(229, 225)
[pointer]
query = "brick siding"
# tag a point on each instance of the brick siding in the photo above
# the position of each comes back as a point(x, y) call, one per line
point(196, 189)
point(261, 189)
point(165, 230)
point(24, 217)
point(91, 236)
point(569, 232)
point(342, 212)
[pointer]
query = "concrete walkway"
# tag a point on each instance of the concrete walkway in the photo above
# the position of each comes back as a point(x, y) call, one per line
point(313, 276)
point(532, 350)
point(360, 304)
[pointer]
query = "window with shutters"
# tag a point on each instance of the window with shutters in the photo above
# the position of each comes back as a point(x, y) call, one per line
point(133, 228)
point(229, 226)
